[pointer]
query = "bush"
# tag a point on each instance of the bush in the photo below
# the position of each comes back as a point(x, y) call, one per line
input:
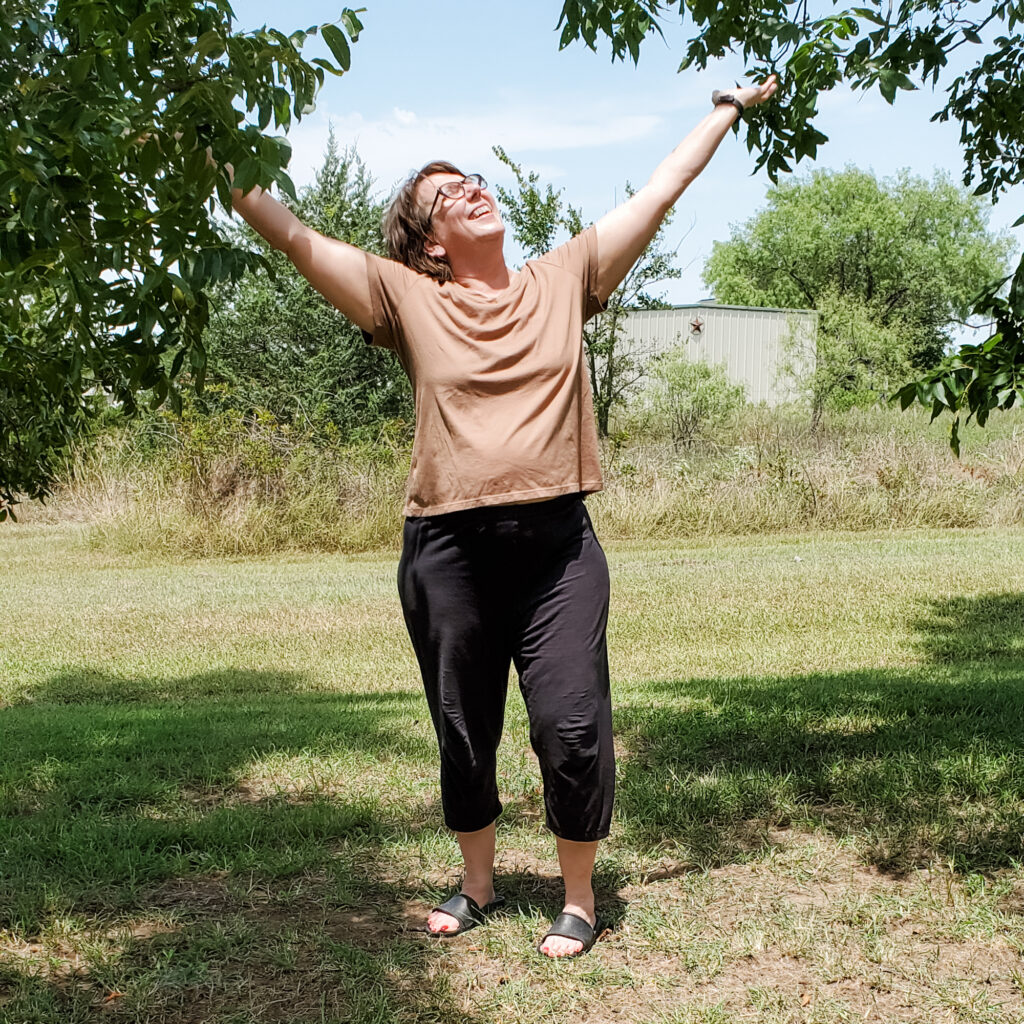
point(692, 398)
point(860, 355)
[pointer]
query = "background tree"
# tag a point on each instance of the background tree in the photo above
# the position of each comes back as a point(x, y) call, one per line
point(107, 242)
point(874, 45)
point(891, 265)
point(904, 248)
point(281, 347)
point(536, 217)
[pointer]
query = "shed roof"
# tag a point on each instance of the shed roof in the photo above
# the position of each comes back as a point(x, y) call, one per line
point(709, 304)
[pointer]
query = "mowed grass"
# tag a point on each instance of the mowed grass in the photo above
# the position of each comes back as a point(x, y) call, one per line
point(218, 792)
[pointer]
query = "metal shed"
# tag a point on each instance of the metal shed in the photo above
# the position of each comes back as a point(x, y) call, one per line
point(762, 348)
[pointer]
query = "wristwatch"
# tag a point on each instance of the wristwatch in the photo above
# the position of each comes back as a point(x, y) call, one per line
point(718, 97)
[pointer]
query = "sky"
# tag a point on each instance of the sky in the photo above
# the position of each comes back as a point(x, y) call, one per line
point(450, 80)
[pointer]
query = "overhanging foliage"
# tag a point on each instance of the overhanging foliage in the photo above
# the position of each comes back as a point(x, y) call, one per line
point(979, 378)
point(107, 236)
point(881, 45)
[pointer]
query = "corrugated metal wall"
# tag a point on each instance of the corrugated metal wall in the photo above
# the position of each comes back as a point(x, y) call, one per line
point(761, 348)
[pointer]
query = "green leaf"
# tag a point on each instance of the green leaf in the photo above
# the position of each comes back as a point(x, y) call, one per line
point(179, 359)
point(887, 85)
point(209, 45)
point(159, 393)
point(149, 160)
point(353, 26)
point(287, 186)
point(197, 362)
point(868, 14)
point(80, 67)
point(335, 39)
point(906, 396)
point(327, 66)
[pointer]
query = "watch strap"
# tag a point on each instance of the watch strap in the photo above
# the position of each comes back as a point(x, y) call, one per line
point(718, 97)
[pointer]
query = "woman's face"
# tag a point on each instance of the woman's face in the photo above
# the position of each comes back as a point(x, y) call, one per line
point(459, 225)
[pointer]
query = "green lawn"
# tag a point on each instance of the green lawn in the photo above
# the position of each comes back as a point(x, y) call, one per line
point(218, 793)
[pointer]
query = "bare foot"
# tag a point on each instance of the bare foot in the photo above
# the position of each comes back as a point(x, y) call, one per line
point(556, 946)
point(439, 922)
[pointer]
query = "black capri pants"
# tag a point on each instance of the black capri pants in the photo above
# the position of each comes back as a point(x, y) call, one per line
point(522, 584)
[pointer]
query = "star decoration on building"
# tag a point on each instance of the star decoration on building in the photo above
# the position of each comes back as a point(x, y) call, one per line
point(696, 325)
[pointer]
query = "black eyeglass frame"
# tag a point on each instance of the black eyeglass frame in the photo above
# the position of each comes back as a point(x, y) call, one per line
point(460, 190)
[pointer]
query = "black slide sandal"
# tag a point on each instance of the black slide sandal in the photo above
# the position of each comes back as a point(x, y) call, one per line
point(467, 912)
point(572, 926)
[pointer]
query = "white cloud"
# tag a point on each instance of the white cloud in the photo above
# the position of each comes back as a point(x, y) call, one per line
point(396, 144)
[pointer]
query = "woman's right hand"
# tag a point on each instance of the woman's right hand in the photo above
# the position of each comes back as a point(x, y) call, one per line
point(751, 95)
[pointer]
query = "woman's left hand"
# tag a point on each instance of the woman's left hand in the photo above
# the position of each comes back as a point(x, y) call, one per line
point(751, 95)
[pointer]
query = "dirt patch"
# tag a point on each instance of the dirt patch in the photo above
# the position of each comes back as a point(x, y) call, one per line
point(194, 894)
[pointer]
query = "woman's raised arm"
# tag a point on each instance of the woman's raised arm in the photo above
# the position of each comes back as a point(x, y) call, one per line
point(624, 233)
point(334, 268)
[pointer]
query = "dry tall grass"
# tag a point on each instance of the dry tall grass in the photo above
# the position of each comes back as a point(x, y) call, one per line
point(770, 472)
point(242, 488)
point(227, 486)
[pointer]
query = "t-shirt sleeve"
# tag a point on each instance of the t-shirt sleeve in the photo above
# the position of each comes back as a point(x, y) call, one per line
point(389, 282)
point(578, 256)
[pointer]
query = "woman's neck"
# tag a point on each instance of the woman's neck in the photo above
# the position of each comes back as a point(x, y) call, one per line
point(486, 271)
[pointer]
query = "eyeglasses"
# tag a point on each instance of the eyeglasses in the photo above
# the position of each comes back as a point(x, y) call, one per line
point(457, 189)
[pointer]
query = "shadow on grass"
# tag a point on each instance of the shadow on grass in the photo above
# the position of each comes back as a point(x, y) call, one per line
point(132, 800)
point(131, 804)
point(964, 630)
point(284, 906)
point(123, 792)
point(919, 764)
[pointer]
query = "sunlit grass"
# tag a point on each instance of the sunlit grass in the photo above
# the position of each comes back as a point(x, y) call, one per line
point(218, 791)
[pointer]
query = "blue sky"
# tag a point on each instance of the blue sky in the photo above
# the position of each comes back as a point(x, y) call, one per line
point(451, 80)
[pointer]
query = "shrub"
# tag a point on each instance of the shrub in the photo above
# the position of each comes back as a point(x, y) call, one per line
point(860, 358)
point(692, 398)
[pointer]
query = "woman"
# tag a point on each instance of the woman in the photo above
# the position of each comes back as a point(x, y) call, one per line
point(499, 561)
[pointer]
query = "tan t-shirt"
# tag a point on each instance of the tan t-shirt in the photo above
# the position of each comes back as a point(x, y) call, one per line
point(503, 405)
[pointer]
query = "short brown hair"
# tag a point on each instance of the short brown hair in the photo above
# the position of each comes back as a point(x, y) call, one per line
point(406, 229)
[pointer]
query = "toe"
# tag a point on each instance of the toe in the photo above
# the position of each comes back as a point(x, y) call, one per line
point(439, 922)
point(558, 946)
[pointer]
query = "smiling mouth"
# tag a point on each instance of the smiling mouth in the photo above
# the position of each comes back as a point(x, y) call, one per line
point(480, 211)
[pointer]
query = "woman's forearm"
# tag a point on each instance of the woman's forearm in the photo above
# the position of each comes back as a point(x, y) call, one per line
point(624, 233)
point(266, 216)
point(672, 176)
